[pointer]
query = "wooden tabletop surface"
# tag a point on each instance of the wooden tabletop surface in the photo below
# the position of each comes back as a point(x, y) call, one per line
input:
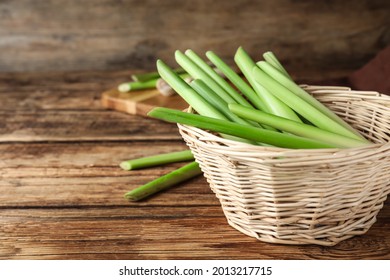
point(62, 190)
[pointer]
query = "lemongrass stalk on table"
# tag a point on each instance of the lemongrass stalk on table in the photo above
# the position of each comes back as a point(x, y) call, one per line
point(302, 107)
point(156, 160)
point(158, 83)
point(297, 90)
point(164, 182)
point(270, 103)
point(239, 130)
point(296, 128)
point(217, 78)
point(143, 77)
point(131, 86)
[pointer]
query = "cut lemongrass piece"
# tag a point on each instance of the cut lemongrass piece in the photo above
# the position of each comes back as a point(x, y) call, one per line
point(297, 90)
point(156, 160)
point(143, 77)
point(302, 107)
point(217, 78)
point(271, 103)
point(272, 59)
point(239, 130)
point(164, 182)
point(197, 73)
point(131, 86)
point(296, 128)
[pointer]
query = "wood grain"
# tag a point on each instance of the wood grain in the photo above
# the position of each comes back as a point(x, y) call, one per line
point(62, 189)
point(72, 125)
point(57, 90)
point(157, 233)
point(315, 39)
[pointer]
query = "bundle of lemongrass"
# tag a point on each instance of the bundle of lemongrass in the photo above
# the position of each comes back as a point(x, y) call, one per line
point(266, 107)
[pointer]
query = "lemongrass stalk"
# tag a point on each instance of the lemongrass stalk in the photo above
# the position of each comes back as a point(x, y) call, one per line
point(235, 79)
point(131, 86)
point(164, 182)
point(296, 128)
point(271, 103)
point(272, 59)
point(217, 78)
point(197, 73)
point(300, 106)
point(186, 92)
point(156, 160)
point(196, 101)
point(293, 87)
point(207, 93)
point(239, 130)
point(143, 77)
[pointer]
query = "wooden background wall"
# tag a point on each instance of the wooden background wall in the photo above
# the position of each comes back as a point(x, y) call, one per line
point(313, 38)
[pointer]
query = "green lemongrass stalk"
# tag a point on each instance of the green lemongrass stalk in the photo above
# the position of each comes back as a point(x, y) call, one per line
point(207, 93)
point(296, 128)
point(197, 73)
point(217, 78)
point(196, 101)
point(239, 130)
point(303, 108)
point(130, 86)
point(235, 79)
point(272, 59)
point(271, 103)
point(143, 77)
point(156, 160)
point(186, 92)
point(164, 182)
point(297, 90)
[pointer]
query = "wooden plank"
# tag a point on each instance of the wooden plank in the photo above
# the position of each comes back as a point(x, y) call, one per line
point(64, 200)
point(162, 233)
point(61, 156)
point(81, 125)
point(57, 90)
point(62, 174)
point(320, 37)
point(102, 191)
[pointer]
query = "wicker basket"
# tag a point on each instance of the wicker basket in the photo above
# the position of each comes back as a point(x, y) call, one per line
point(291, 196)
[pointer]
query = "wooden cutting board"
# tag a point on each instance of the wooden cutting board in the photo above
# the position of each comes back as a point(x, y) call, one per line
point(140, 102)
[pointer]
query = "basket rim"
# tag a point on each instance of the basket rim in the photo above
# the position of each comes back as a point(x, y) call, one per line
point(210, 136)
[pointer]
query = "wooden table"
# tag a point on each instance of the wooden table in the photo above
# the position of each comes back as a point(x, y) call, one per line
point(62, 190)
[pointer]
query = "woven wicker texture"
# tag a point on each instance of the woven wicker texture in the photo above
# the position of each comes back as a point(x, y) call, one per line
point(291, 196)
